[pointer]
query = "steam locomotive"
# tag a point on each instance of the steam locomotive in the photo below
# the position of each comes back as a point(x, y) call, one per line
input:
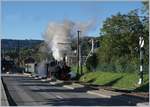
point(55, 70)
point(58, 70)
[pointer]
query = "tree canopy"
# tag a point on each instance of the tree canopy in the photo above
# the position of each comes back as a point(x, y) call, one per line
point(119, 41)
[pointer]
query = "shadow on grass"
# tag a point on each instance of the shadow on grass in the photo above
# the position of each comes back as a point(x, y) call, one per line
point(143, 88)
point(111, 83)
point(92, 80)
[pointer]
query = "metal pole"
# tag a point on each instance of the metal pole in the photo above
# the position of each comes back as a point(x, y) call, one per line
point(4, 53)
point(92, 46)
point(78, 53)
point(141, 43)
point(81, 69)
point(91, 52)
point(18, 53)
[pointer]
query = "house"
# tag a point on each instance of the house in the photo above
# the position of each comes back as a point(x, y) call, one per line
point(30, 65)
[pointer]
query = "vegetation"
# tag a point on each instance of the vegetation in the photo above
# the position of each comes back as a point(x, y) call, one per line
point(18, 48)
point(92, 62)
point(125, 81)
point(84, 43)
point(118, 54)
point(119, 42)
point(10, 44)
point(84, 68)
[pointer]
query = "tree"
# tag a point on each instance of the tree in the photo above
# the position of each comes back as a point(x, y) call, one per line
point(145, 8)
point(92, 62)
point(120, 38)
point(145, 21)
point(41, 52)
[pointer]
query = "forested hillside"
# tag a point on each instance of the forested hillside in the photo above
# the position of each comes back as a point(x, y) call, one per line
point(11, 43)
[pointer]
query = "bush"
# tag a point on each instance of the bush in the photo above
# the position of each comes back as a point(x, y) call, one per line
point(121, 64)
point(92, 62)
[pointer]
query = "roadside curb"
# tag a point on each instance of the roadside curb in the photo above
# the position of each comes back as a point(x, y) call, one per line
point(9, 98)
point(138, 97)
point(36, 78)
point(98, 94)
point(4, 100)
point(56, 82)
point(43, 80)
point(26, 74)
point(69, 87)
point(74, 86)
point(145, 104)
point(77, 84)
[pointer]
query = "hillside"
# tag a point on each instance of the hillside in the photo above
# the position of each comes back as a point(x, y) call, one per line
point(11, 44)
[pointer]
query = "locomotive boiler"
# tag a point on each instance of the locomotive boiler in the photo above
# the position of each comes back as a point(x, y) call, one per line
point(58, 70)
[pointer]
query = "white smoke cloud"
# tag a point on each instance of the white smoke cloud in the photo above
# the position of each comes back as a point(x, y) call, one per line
point(58, 36)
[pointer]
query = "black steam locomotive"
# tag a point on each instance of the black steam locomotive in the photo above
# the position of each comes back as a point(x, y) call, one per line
point(58, 70)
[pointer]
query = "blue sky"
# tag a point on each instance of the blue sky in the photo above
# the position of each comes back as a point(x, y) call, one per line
point(28, 20)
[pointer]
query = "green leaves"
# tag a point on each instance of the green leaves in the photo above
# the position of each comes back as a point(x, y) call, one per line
point(92, 62)
point(120, 39)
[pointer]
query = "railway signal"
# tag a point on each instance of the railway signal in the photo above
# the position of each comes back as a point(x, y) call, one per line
point(141, 44)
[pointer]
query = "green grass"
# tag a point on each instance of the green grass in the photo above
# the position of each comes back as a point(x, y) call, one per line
point(126, 81)
point(74, 69)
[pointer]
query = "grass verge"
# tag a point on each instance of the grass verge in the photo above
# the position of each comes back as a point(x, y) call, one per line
point(123, 81)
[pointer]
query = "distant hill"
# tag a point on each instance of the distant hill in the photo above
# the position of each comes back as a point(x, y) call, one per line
point(11, 44)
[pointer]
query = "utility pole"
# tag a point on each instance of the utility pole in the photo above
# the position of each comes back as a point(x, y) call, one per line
point(92, 46)
point(78, 53)
point(91, 52)
point(4, 53)
point(18, 53)
point(80, 60)
point(141, 43)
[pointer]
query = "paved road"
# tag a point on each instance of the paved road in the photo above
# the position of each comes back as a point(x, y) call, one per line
point(26, 91)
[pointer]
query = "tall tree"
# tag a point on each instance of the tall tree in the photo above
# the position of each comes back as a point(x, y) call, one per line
point(120, 37)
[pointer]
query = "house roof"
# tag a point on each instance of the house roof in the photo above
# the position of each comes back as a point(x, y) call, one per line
point(29, 60)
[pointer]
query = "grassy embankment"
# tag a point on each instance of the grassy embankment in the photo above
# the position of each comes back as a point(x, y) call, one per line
point(125, 81)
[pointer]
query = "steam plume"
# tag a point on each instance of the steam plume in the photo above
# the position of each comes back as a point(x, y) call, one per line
point(41, 69)
point(58, 36)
